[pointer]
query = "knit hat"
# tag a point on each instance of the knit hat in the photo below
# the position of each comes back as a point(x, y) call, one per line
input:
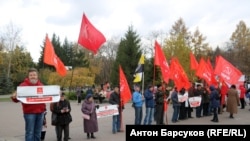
point(88, 96)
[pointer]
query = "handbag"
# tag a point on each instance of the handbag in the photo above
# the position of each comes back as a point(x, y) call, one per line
point(53, 118)
point(70, 118)
point(85, 116)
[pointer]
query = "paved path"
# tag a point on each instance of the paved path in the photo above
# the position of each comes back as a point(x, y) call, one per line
point(12, 123)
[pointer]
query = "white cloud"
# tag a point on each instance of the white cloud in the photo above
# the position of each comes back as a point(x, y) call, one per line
point(215, 19)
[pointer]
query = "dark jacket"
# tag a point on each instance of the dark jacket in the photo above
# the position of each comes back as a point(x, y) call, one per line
point(214, 97)
point(149, 99)
point(114, 99)
point(159, 97)
point(205, 95)
point(199, 92)
point(62, 118)
point(174, 98)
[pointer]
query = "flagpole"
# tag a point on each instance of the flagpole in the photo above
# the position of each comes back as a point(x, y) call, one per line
point(72, 64)
point(121, 119)
point(120, 104)
point(142, 91)
point(154, 76)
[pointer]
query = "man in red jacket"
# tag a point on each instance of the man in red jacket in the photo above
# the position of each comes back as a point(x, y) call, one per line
point(242, 96)
point(33, 113)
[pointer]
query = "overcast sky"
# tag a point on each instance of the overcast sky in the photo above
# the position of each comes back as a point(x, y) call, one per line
point(216, 19)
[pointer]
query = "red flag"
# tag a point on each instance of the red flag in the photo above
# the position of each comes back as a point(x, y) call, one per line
point(52, 59)
point(125, 92)
point(89, 36)
point(227, 71)
point(213, 80)
point(205, 72)
point(193, 62)
point(160, 60)
point(178, 75)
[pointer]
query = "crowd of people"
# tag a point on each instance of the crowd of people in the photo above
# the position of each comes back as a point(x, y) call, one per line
point(214, 100)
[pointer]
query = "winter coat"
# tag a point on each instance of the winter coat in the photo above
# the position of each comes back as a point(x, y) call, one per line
point(214, 97)
point(62, 118)
point(159, 97)
point(191, 91)
point(114, 99)
point(89, 108)
point(199, 92)
point(232, 101)
point(149, 99)
point(205, 95)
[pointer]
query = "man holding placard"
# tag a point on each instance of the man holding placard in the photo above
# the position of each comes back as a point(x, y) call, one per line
point(33, 112)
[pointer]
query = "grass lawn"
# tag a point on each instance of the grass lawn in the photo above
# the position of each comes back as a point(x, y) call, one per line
point(6, 99)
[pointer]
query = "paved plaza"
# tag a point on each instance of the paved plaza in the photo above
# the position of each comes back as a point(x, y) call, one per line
point(12, 122)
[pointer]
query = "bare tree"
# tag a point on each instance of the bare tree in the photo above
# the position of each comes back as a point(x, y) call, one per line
point(158, 35)
point(11, 37)
point(107, 55)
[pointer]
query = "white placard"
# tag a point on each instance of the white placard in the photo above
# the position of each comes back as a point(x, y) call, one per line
point(107, 110)
point(195, 101)
point(182, 98)
point(38, 94)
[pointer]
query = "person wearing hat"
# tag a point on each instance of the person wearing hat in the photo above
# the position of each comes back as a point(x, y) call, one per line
point(90, 126)
point(64, 118)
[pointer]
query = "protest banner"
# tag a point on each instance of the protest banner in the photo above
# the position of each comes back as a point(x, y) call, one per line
point(195, 101)
point(182, 98)
point(106, 111)
point(38, 94)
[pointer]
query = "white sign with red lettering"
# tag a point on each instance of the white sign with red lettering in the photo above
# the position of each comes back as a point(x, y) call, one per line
point(38, 94)
point(195, 101)
point(107, 110)
point(182, 98)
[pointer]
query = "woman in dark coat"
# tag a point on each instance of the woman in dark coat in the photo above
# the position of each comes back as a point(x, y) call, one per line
point(62, 109)
point(215, 102)
point(90, 125)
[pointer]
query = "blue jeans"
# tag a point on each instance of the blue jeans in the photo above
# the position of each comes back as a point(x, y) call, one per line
point(210, 109)
point(116, 123)
point(175, 113)
point(149, 116)
point(199, 110)
point(33, 126)
point(138, 115)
